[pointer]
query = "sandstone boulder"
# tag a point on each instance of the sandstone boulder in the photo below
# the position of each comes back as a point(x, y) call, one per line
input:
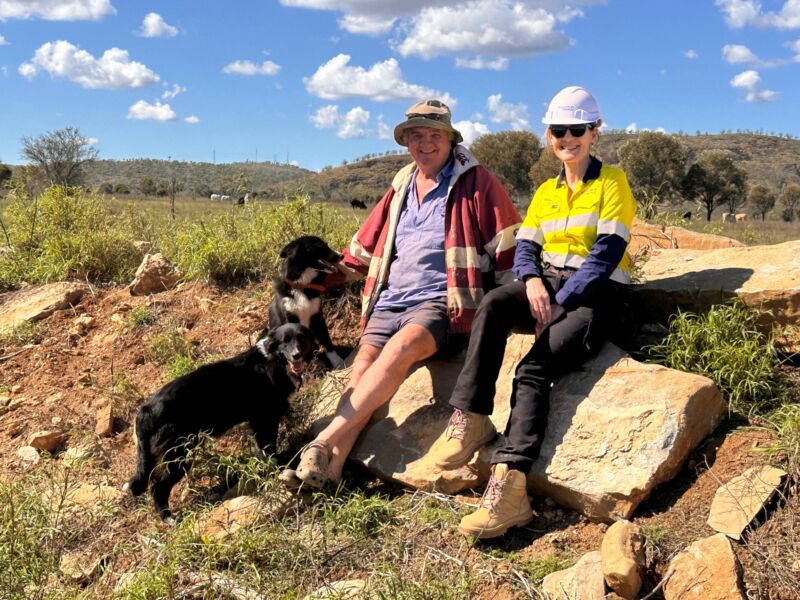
point(765, 277)
point(622, 558)
point(80, 566)
point(37, 303)
point(617, 429)
point(47, 440)
point(737, 502)
point(242, 512)
point(104, 424)
point(706, 570)
point(155, 274)
point(582, 581)
point(28, 456)
point(646, 238)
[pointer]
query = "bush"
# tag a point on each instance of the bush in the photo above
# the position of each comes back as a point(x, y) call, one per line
point(726, 346)
point(64, 234)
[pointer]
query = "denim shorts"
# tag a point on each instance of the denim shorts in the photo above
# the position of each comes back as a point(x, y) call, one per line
point(383, 324)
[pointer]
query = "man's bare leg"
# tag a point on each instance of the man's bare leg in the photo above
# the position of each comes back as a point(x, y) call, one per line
point(379, 375)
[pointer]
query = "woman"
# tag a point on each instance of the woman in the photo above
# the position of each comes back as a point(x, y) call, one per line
point(570, 259)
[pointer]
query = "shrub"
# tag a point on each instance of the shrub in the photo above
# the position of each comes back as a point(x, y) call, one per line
point(63, 234)
point(141, 315)
point(726, 346)
point(785, 422)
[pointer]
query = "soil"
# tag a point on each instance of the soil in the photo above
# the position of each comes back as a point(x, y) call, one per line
point(62, 379)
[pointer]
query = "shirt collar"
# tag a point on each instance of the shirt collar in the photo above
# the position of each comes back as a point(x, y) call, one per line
point(592, 171)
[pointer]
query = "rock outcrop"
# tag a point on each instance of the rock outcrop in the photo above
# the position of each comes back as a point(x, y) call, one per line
point(617, 429)
point(646, 238)
point(155, 274)
point(37, 303)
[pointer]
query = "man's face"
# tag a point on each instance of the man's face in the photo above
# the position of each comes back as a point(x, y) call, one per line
point(429, 147)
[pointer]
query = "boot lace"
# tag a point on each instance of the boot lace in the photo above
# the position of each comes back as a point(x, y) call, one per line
point(492, 494)
point(458, 424)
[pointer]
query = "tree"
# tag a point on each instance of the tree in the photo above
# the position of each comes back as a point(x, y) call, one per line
point(714, 180)
point(654, 164)
point(59, 155)
point(790, 199)
point(762, 199)
point(510, 156)
point(545, 167)
point(147, 186)
point(5, 173)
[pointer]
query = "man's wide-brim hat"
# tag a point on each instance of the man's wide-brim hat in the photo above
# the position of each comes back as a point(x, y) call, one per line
point(427, 113)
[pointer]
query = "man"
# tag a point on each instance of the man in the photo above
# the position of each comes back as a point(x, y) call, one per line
point(440, 238)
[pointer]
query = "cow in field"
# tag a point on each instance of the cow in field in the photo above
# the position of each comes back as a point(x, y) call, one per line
point(687, 216)
point(225, 198)
point(728, 218)
point(740, 217)
point(216, 198)
point(358, 204)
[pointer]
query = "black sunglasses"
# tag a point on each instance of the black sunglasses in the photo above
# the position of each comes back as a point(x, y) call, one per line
point(578, 130)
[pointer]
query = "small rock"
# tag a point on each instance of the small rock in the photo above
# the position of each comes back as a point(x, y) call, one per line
point(796, 566)
point(241, 512)
point(56, 421)
point(582, 581)
point(16, 388)
point(47, 440)
point(548, 501)
point(155, 274)
point(118, 318)
point(54, 398)
point(105, 421)
point(339, 590)
point(88, 495)
point(4, 400)
point(29, 455)
point(706, 570)
point(85, 378)
point(737, 503)
point(622, 558)
point(122, 307)
point(81, 567)
point(82, 325)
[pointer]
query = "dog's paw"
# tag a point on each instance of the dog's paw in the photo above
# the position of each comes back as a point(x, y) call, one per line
point(335, 360)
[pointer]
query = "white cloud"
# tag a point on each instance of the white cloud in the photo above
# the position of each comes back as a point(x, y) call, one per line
point(746, 79)
point(112, 71)
point(515, 115)
point(691, 54)
point(353, 124)
point(498, 64)
point(761, 96)
point(170, 94)
point(154, 26)
point(743, 13)
point(326, 117)
point(471, 130)
point(361, 24)
point(143, 111)
point(385, 132)
point(3, 41)
point(383, 81)
point(192, 120)
point(737, 54)
point(56, 10)
point(4, 70)
point(794, 47)
point(246, 67)
point(493, 27)
point(632, 128)
point(92, 140)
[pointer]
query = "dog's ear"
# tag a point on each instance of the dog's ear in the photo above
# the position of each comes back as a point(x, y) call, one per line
point(287, 249)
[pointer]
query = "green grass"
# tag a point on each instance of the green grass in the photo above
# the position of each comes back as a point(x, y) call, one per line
point(726, 345)
point(141, 316)
point(24, 332)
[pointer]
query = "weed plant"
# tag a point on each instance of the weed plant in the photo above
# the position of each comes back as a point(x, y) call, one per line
point(726, 345)
point(141, 316)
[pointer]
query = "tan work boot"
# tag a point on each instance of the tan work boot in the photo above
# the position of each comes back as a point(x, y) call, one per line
point(504, 505)
point(466, 432)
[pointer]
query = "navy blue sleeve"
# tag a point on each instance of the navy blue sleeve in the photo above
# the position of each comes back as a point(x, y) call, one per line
point(527, 259)
point(604, 257)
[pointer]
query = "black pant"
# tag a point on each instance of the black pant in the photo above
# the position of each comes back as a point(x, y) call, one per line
point(570, 339)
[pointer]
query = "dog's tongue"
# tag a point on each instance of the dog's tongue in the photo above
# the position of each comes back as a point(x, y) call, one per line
point(297, 367)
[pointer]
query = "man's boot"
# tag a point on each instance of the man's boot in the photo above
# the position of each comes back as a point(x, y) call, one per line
point(504, 505)
point(466, 432)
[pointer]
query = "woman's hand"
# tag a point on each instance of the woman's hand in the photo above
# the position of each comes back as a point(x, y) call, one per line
point(539, 301)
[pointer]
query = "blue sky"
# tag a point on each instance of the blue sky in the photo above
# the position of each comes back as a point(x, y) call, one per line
point(316, 82)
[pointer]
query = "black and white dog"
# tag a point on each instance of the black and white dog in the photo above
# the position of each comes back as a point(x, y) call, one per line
point(252, 387)
point(296, 292)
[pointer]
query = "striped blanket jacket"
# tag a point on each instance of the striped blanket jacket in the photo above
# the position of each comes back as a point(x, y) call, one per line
point(480, 227)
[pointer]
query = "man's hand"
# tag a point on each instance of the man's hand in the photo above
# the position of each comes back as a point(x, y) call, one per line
point(539, 302)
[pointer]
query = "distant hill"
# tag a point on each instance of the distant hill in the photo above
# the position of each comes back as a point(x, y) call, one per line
point(366, 179)
point(202, 179)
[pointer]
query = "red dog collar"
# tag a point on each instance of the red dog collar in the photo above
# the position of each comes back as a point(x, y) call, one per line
point(309, 286)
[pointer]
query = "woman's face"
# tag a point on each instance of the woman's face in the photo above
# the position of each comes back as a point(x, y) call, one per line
point(571, 149)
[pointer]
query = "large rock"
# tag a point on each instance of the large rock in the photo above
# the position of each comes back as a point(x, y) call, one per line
point(35, 304)
point(242, 512)
point(646, 238)
point(582, 581)
point(706, 570)
point(617, 429)
point(622, 558)
point(155, 274)
point(766, 277)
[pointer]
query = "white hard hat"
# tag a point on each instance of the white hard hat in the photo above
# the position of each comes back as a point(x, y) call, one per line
point(570, 106)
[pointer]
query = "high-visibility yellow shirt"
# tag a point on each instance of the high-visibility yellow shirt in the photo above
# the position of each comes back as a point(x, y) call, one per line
point(566, 227)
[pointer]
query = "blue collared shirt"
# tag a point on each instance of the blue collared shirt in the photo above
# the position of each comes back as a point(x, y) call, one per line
point(418, 272)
